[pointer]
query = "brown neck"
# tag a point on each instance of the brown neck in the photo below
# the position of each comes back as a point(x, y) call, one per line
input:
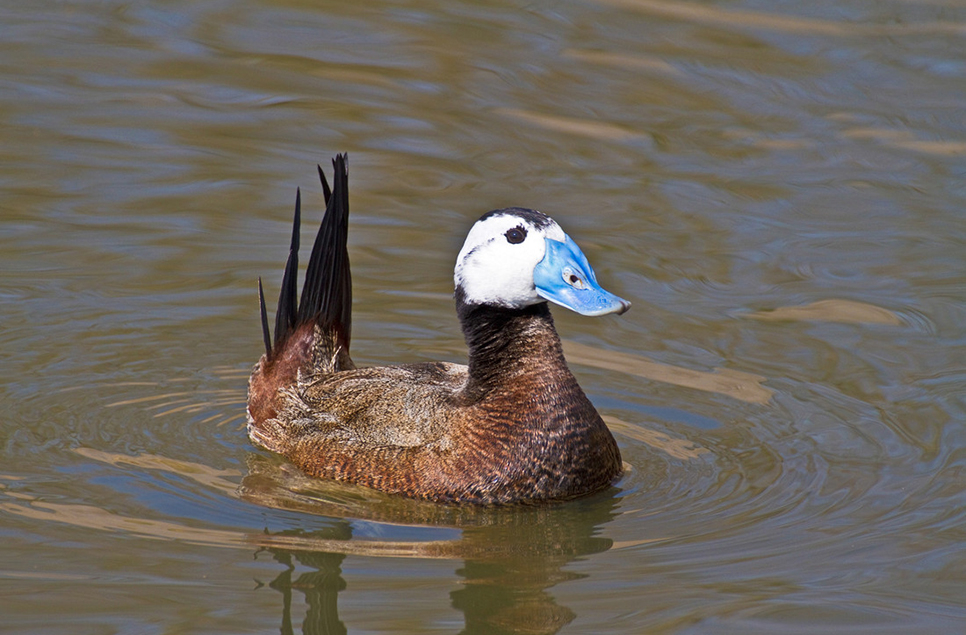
point(531, 403)
point(511, 348)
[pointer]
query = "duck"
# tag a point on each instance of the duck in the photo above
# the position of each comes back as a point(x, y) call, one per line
point(510, 426)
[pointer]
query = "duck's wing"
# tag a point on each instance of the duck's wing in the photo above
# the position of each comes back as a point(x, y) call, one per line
point(357, 410)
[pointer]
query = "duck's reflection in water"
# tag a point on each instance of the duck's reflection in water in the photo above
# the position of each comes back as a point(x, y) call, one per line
point(507, 557)
point(320, 586)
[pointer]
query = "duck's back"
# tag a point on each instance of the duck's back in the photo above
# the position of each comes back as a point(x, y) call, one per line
point(391, 406)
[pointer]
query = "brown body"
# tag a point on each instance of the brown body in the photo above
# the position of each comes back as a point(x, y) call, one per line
point(514, 425)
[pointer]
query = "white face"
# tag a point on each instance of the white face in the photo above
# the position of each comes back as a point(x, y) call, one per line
point(495, 265)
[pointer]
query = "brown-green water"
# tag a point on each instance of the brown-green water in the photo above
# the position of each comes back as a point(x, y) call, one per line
point(777, 187)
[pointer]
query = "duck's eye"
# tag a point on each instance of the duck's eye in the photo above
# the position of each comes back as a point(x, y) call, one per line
point(516, 235)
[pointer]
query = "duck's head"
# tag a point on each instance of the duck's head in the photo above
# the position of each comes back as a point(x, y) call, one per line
point(515, 257)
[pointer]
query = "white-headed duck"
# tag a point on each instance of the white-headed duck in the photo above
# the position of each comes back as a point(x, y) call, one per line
point(512, 425)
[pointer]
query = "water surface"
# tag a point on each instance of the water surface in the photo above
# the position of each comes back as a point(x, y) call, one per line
point(777, 187)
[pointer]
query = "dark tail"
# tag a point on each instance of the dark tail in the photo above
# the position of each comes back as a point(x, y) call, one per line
point(311, 335)
point(327, 293)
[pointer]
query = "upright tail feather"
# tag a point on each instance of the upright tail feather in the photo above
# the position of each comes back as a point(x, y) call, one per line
point(311, 334)
point(327, 291)
point(327, 294)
